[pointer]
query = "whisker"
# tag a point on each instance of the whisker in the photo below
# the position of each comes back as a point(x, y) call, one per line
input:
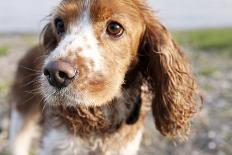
point(36, 75)
point(35, 91)
point(29, 99)
point(44, 99)
point(35, 81)
point(30, 69)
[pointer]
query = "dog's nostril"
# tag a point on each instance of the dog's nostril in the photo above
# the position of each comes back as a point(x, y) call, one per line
point(62, 75)
point(48, 75)
point(59, 73)
point(46, 72)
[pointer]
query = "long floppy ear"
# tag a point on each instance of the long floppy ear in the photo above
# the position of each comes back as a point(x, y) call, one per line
point(172, 84)
point(48, 37)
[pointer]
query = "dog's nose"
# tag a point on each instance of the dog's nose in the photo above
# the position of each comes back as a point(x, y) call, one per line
point(59, 73)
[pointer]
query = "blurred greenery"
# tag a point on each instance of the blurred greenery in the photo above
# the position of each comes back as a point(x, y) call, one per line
point(5, 85)
point(30, 39)
point(207, 71)
point(5, 153)
point(4, 50)
point(211, 40)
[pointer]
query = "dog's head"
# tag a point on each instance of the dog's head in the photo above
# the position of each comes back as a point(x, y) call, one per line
point(91, 47)
point(92, 44)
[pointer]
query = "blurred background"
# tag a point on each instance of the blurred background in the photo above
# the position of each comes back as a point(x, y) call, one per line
point(204, 30)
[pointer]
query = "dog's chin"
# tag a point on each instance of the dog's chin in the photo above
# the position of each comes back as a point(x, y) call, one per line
point(70, 97)
point(73, 95)
point(73, 100)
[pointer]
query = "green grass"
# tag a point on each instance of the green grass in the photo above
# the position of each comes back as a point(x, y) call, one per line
point(4, 50)
point(216, 40)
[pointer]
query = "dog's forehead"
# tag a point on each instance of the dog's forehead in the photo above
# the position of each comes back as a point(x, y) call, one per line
point(98, 9)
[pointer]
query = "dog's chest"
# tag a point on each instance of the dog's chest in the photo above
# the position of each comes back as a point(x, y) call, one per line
point(60, 142)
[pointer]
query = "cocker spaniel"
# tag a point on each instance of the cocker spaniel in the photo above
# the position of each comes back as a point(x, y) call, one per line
point(89, 84)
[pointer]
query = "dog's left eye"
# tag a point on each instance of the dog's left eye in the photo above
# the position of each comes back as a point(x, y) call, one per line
point(115, 29)
point(59, 24)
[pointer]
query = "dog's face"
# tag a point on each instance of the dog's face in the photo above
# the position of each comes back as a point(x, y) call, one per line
point(93, 44)
point(96, 41)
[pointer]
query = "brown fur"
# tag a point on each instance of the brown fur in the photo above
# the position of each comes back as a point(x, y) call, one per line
point(151, 57)
point(25, 89)
point(172, 83)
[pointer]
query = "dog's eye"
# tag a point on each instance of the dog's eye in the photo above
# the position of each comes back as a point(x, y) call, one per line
point(59, 24)
point(115, 29)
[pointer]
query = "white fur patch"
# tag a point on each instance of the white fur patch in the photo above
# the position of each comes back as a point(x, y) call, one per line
point(55, 139)
point(60, 142)
point(133, 147)
point(15, 126)
point(21, 134)
point(80, 36)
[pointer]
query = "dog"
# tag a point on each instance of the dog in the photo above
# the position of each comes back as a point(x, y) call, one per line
point(100, 67)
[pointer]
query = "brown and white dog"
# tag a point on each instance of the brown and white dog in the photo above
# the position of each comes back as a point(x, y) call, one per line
point(89, 83)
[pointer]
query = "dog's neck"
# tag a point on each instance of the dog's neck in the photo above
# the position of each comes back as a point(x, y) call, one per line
point(109, 118)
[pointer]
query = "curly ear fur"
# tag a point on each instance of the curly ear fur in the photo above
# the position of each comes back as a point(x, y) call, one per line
point(168, 73)
point(48, 37)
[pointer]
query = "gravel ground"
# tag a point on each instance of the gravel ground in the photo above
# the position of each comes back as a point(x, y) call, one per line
point(212, 128)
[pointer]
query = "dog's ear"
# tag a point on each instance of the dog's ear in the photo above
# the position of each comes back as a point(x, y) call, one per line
point(48, 37)
point(172, 84)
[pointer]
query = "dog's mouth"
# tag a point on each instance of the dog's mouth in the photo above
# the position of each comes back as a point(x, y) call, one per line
point(88, 92)
point(55, 96)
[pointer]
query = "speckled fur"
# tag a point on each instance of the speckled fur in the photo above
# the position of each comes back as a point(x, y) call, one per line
point(143, 70)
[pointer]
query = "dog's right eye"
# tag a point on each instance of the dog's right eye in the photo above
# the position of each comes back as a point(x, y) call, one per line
point(114, 29)
point(60, 28)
